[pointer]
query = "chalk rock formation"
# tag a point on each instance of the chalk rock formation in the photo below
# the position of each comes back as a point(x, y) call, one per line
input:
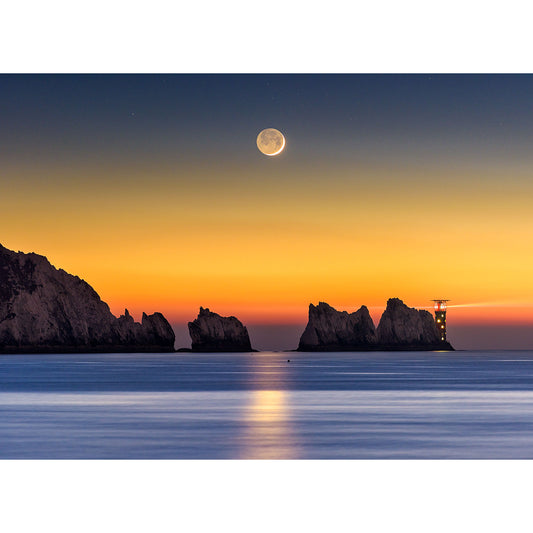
point(332, 330)
point(406, 328)
point(400, 328)
point(43, 309)
point(214, 333)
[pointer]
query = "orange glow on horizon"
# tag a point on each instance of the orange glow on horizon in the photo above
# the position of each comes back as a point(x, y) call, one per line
point(503, 314)
point(264, 247)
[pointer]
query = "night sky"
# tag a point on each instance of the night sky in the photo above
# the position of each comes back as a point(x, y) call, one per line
point(151, 188)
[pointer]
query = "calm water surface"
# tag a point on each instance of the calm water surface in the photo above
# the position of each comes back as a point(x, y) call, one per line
point(412, 405)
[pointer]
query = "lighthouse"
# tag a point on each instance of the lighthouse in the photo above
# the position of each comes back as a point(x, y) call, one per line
point(440, 317)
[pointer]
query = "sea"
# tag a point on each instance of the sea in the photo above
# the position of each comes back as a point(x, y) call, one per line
point(268, 405)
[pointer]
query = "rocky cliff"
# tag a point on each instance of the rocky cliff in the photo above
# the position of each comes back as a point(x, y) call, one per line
point(214, 333)
point(403, 327)
point(332, 330)
point(400, 328)
point(43, 309)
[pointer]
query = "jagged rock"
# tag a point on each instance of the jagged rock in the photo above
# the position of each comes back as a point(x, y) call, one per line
point(332, 330)
point(403, 327)
point(157, 330)
point(43, 309)
point(211, 332)
point(400, 328)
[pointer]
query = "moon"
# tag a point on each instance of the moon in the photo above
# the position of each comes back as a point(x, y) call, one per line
point(271, 142)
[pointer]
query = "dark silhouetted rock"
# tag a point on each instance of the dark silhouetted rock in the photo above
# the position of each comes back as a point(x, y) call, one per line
point(405, 328)
point(400, 328)
point(214, 333)
point(43, 309)
point(332, 330)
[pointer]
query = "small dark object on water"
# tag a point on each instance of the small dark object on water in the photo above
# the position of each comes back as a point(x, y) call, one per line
point(288, 360)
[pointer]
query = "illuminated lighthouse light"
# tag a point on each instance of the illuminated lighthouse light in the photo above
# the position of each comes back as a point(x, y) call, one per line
point(440, 317)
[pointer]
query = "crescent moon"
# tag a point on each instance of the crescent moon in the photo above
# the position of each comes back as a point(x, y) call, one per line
point(271, 142)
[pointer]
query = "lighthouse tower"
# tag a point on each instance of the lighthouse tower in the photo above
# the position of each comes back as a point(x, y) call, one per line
point(440, 317)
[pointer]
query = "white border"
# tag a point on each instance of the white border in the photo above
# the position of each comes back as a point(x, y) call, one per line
point(278, 36)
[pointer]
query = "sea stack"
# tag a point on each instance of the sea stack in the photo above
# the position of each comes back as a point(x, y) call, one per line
point(405, 328)
point(211, 332)
point(400, 328)
point(332, 330)
point(44, 309)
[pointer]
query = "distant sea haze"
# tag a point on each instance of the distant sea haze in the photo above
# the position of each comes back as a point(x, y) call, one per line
point(463, 336)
